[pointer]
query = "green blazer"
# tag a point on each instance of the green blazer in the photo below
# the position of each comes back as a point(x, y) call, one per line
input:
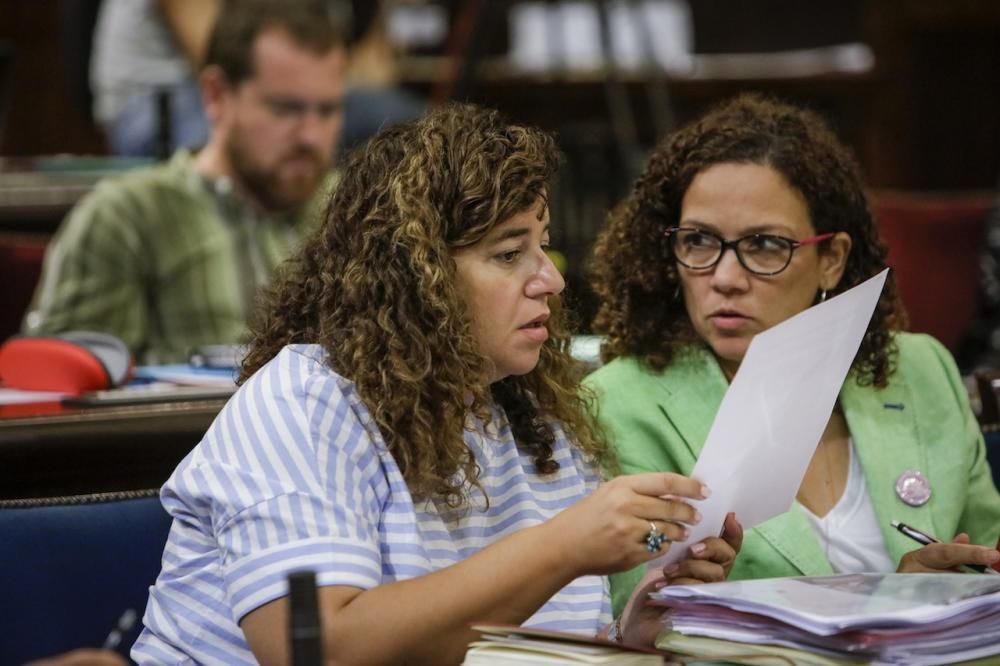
point(658, 421)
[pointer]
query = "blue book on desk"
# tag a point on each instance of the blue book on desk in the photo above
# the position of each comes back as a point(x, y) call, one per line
point(184, 374)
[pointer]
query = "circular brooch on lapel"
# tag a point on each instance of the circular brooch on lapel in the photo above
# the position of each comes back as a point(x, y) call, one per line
point(913, 488)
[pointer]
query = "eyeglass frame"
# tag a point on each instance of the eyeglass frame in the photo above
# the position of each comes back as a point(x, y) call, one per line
point(670, 233)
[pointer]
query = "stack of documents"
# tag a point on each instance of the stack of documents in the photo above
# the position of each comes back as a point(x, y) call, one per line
point(505, 645)
point(153, 384)
point(913, 619)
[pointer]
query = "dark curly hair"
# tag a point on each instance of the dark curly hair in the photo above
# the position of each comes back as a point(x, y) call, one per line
point(642, 314)
point(376, 286)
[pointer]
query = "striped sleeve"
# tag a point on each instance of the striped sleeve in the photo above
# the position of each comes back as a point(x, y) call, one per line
point(288, 476)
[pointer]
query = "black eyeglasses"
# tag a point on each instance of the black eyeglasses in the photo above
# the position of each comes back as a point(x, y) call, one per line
point(761, 254)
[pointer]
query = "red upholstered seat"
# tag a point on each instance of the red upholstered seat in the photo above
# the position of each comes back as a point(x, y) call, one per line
point(935, 241)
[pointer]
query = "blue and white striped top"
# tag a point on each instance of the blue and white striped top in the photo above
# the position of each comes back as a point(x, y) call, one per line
point(294, 474)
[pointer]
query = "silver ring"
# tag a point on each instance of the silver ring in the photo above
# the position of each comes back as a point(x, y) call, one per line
point(654, 540)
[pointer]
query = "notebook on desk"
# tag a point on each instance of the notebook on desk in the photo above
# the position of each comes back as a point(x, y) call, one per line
point(511, 645)
point(148, 394)
point(184, 374)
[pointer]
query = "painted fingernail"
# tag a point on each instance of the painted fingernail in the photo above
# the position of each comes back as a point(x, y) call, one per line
point(698, 548)
point(670, 568)
point(705, 492)
point(697, 518)
point(685, 533)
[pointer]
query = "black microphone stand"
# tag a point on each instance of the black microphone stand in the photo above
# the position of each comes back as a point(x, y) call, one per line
point(305, 640)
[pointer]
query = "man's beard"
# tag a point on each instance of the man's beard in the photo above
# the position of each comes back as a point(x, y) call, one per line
point(266, 185)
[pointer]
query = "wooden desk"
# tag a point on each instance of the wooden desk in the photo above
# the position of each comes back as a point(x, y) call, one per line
point(34, 202)
point(36, 193)
point(48, 449)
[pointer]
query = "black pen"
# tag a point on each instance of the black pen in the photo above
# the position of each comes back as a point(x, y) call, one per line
point(927, 539)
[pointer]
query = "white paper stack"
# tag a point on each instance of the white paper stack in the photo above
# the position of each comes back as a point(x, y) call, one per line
point(913, 619)
point(506, 645)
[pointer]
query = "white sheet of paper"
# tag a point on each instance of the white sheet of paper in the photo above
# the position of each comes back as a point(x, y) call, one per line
point(775, 411)
point(9, 396)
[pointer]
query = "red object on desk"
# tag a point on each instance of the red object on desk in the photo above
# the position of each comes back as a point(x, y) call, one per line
point(62, 365)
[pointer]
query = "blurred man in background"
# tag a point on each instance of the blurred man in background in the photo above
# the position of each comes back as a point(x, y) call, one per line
point(171, 257)
point(146, 55)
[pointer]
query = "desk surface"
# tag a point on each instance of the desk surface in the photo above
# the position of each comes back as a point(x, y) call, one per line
point(36, 193)
point(48, 449)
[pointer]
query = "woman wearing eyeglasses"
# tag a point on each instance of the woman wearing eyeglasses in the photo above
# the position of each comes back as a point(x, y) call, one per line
point(741, 220)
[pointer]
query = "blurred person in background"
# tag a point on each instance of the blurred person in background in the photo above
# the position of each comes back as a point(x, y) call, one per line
point(171, 257)
point(145, 49)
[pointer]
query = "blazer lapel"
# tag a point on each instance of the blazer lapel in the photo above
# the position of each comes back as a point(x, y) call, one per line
point(884, 431)
point(883, 425)
point(693, 387)
point(791, 535)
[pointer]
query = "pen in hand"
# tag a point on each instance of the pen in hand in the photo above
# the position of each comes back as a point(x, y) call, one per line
point(926, 539)
point(125, 623)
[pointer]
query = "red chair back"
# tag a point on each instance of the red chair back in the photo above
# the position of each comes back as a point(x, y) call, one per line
point(20, 267)
point(935, 242)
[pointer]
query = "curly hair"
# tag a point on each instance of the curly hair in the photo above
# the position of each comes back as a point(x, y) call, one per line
point(376, 285)
point(642, 313)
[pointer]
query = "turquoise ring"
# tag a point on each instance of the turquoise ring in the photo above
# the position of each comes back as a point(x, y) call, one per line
point(654, 539)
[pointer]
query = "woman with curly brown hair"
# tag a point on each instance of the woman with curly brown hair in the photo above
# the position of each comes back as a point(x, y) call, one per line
point(409, 426)
point(771, 183)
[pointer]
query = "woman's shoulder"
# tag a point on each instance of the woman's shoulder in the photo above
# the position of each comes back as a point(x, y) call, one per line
point(921, 354)
point(297, 382)
point(631, 371)
point(911, 344)
point(296, 366)
point(294, 407)
point(616, 371)
point(926, 366)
